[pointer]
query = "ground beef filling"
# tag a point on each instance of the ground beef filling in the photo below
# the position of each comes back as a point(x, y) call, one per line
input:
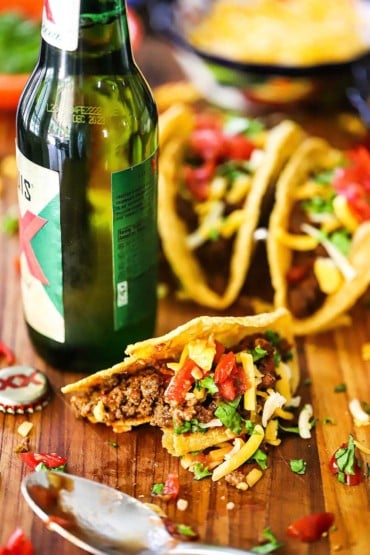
point(141, 395)
point(304, 294)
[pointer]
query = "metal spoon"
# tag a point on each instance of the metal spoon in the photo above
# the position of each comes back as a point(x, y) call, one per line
point(102, 520)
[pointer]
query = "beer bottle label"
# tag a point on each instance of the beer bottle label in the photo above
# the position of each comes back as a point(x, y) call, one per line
point(134, 209)
point(41, 250)
point(126, 221)
point(60, 23)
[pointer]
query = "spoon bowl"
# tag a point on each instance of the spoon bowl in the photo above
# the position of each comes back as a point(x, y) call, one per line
point(102, 520)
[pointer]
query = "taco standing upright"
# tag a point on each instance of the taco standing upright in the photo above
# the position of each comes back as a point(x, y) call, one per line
point(215, 172)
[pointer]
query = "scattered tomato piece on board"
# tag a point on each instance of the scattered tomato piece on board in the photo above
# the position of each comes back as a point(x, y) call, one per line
point(310, 528)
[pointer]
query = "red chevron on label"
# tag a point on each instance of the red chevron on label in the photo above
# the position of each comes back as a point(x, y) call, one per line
point(30, 225)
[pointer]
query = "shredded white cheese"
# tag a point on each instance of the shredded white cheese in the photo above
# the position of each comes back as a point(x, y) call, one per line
point(360, 417)
point(274, 401)
point(304, 418)
point(337, 257)
point(214, 423)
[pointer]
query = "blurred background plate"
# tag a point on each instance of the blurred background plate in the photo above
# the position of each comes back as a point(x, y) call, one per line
point(238, 83)
point(23, 18)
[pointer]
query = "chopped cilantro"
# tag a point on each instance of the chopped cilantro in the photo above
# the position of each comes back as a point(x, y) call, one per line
point(227, 413)
point(268, 547)
point(324, 177)
point(192, 426)
point(43, 466)
point(290, 429)
point(207, 383)
point(273, 337)
point(307, 381)
point(113, 444)
point(261, 459)
point(366, 407)
point(298, 466)
point(341, 239)
point(318, 205)
point(200, 471)
point(341, 388)
point(258, 353)
point(235, 125)
point(185, 530)
point(328, 420)
point(157, 488)
point(345, 458)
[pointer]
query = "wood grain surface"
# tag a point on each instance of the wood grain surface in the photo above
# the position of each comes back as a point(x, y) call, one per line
point(328, 359)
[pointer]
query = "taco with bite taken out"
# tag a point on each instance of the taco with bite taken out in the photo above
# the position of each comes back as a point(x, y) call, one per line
point(319, 234)
point(215, 385)
point(217, 171)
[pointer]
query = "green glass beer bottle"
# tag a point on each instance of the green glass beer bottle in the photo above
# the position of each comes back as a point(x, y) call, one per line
point(87, 144)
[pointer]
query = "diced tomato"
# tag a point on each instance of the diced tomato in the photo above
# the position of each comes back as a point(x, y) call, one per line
point(297, 273)
point(225, 367)
point(349, 479)
point(198, 179)
point(230, 377)
point(310, 528)
point(353, 182)
point(239, 147)
point(18, 544)
point(208, 120)
point(220, 349)
point(171, 486)
point(51, 460)
point(6, 354)
point(208, 144)
point(181, 382)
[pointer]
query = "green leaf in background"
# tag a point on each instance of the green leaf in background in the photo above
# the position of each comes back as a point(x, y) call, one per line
point(19, 43)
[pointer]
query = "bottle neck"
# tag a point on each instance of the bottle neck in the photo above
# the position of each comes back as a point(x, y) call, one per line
point(89, 29)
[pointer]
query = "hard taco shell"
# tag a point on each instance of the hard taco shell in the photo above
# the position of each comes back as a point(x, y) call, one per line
point(149, 353)
point(311, 155)
point(175, 127)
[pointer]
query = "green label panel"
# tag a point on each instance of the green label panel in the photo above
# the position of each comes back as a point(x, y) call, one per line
point(135, 241)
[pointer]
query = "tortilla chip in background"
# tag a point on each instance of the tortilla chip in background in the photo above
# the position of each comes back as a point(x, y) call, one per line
point(175, 126)
point(311, 156)
point(229, 330)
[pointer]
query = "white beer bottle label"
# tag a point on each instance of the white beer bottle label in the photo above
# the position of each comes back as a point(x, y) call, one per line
point(41, 251)
point(60, 23)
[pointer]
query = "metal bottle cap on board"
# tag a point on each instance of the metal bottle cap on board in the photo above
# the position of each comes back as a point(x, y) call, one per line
point(23, 389)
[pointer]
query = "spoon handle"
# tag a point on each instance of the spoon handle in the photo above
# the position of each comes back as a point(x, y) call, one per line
point(200, 549)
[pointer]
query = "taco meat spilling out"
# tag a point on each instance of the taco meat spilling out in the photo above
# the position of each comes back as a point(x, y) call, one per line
point(214, 385)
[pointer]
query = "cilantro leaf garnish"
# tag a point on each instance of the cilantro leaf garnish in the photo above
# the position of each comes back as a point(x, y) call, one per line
point(235, 125)
point(207, 383)
point(260, 458)
point(318, 205)
point(190, 426)
point(273, 337)
point(43, 466)
point(200, 471)
point(158, 488)
point(345, 458)
point(341, 388)
point(341, 239)
point(325, 177)
point(227, 413)
point(298, 466)
point(258, 353)
point(185, 530)
point(271, 545)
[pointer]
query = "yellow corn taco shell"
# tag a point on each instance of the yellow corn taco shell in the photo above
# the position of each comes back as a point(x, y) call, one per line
point(110, 396)
point(175, 127)
point(313, 155)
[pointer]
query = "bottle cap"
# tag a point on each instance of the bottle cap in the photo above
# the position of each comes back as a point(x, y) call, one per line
point(23, 389)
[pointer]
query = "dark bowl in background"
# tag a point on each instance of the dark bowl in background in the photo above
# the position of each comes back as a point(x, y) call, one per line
point(236, 84)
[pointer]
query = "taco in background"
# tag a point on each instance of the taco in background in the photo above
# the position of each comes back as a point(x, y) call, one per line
point(319, 234)
point(207, 383)
point(216, 170)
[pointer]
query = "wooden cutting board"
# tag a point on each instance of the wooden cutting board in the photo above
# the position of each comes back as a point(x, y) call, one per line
point(326, 360)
